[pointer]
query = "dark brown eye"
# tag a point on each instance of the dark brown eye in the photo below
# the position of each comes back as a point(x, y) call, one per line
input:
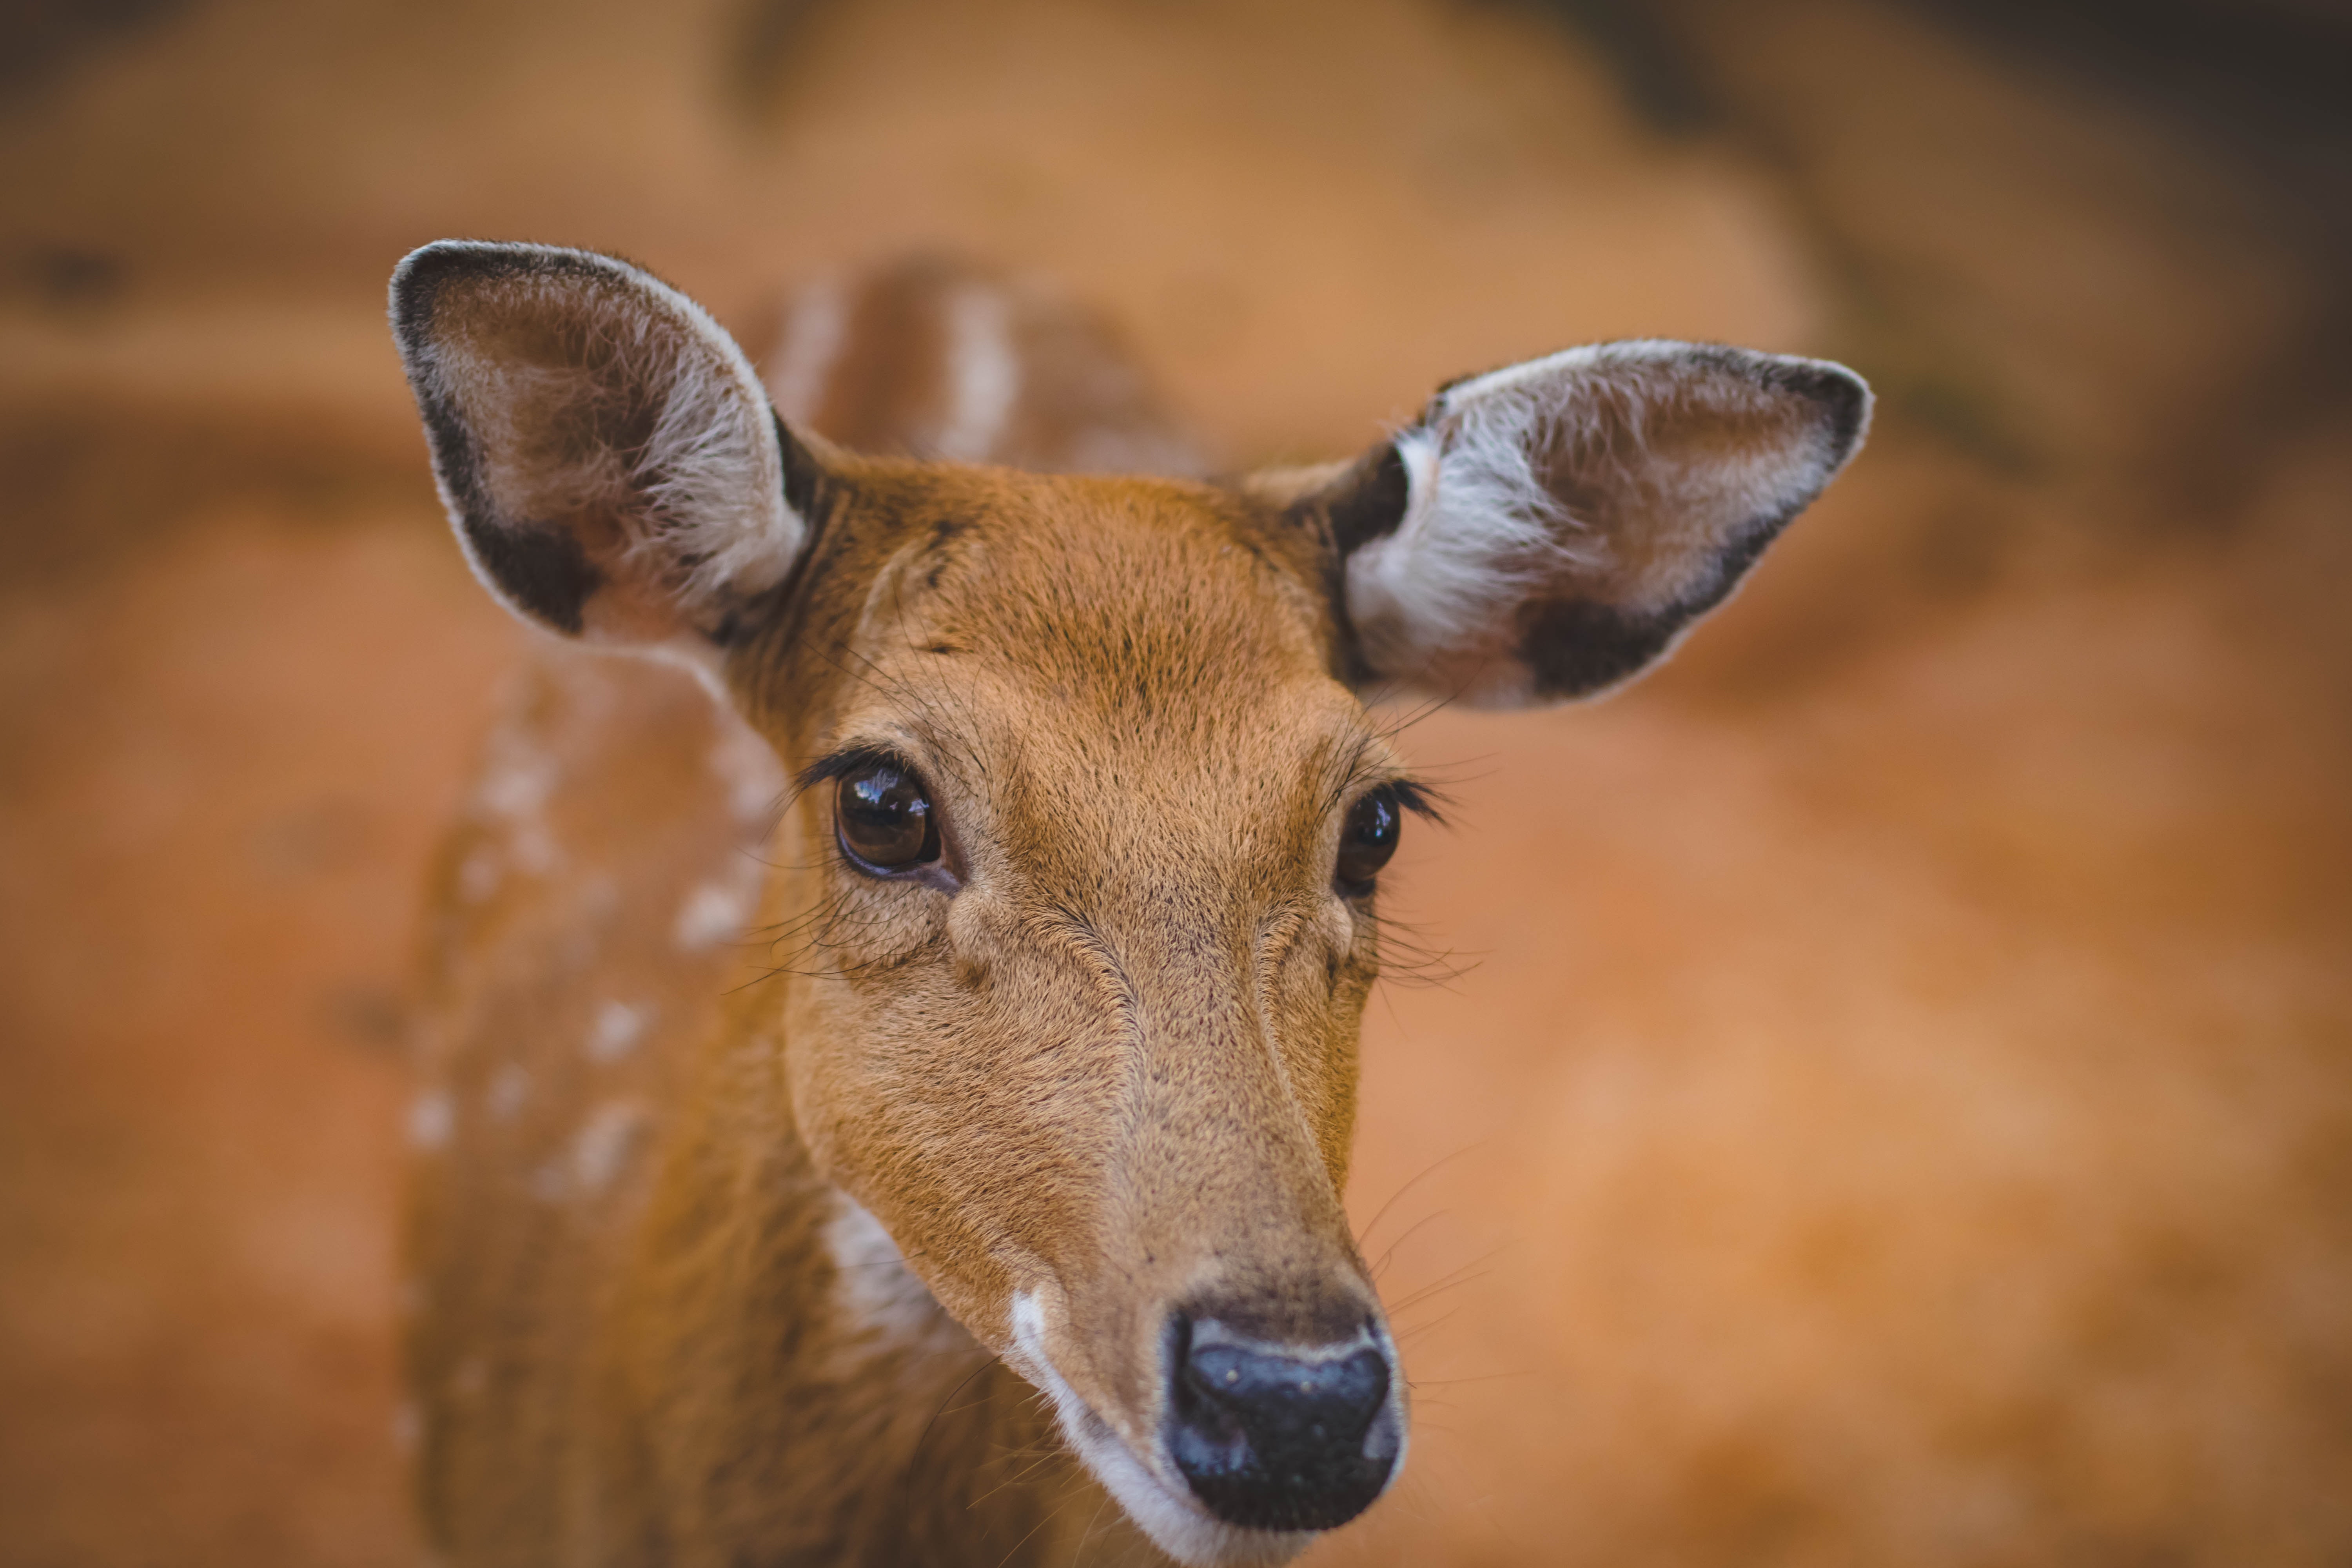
point(886, 819)
point(1368, 840)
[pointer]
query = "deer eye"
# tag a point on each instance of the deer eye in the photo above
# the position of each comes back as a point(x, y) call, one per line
point(1368, 839)
point(885, 818)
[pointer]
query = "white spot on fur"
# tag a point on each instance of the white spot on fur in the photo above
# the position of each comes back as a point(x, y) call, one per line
point(614, 1032)
point(1162, 1506)
point(717, 911)
point(480, 874)
point(748, 767)
point(533, 849)
point(984, 373)
point(596, 895)
point(550, 1184)
point(431, 1119)
point(407, 1426)
point(814, 332)
point(517, 778)
point(509, 1087)
point(604, 1145)
point(873, 1288)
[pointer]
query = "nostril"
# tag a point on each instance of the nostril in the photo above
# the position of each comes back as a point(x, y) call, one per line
point(1280, 1437)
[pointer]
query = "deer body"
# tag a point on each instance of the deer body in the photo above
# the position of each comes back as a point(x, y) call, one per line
point(987, 1205)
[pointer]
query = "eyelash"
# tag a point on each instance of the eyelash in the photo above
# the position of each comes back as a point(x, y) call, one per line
point(1418, 799)
point(841, 765)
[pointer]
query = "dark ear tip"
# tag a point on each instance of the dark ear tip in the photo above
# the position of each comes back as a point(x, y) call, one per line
point(423, 273)
point(429, 264)
point(1843, 397)
point(476, 256)
point(418, 280)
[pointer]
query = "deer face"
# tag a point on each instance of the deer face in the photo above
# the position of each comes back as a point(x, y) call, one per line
point(1080, 894)
point(1101, 954)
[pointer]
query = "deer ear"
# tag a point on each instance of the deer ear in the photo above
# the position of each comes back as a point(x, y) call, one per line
point(608, 459)
point(1549, 531)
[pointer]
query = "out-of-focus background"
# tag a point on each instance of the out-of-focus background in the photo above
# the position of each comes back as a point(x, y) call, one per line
point(1893, 1100)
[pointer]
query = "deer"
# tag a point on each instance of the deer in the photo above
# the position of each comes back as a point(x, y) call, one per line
point(893, 1043)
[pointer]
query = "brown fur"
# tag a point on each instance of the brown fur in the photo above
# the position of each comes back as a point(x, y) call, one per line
point(1114, 1074)
point(1069, 989)
point(773, 1441)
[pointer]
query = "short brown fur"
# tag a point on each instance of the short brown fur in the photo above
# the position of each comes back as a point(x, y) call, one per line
point(722, 1262)
point(986, 622)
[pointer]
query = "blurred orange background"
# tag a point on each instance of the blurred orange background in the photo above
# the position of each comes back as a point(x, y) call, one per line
point(1883, 1089)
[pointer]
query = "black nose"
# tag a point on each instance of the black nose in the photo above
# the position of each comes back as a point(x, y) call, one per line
point(1279, 1437)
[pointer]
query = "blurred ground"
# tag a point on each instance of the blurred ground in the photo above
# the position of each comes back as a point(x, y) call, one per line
point(1898, 1107)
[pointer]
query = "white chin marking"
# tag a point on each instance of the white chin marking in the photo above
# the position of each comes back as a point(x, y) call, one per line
point(1175, 1523)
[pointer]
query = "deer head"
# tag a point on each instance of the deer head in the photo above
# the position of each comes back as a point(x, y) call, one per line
point(1093, 816)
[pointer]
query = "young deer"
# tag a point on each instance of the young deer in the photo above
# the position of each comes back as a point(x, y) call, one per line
point(1056, 804)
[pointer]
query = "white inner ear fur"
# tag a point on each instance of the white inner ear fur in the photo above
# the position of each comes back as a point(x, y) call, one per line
point(702, 503)
point(713, 474)
point(1482, 531)
point(1479, 532)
